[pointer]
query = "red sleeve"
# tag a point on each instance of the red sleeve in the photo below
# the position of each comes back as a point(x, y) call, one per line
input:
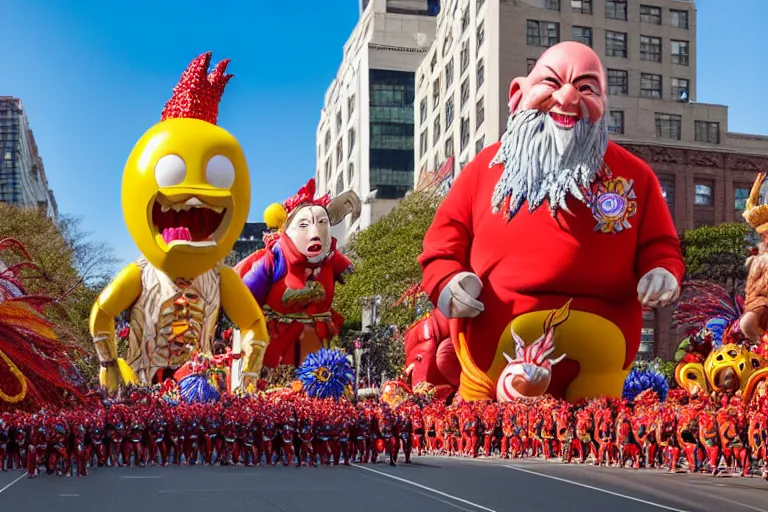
point(447, 241)
point(658, 242)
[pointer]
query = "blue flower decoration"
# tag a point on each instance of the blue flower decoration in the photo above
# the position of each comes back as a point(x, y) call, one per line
point(326, 374)
point(639, 380)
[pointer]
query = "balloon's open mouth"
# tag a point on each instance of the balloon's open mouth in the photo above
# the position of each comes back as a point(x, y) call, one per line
point(189, 221)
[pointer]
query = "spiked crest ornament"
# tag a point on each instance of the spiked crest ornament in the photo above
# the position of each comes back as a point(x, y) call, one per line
point(198, 93)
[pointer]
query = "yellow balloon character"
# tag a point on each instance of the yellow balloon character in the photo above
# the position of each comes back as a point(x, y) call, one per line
point(186, 193)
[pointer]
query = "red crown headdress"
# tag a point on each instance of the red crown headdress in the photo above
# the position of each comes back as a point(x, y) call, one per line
point(198, 93)
point(306, 196)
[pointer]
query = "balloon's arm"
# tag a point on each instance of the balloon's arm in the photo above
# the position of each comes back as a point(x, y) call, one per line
point(245, 312)
point(118, 296)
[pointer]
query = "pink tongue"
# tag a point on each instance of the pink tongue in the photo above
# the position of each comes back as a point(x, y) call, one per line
point(171, 234)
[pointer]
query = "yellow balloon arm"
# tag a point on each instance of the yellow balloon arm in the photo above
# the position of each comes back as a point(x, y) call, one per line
point(244, 311)
point(474, 384)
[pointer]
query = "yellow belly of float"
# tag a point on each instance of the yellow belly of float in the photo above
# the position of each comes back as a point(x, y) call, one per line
point(597, 344)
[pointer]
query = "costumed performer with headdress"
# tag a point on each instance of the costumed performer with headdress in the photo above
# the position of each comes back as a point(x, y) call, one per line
point(294, 277)
point(186, 194)
point(554, 211)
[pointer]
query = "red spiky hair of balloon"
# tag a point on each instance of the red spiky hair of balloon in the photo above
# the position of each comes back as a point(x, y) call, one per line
point(306, 196)
point(198, 93)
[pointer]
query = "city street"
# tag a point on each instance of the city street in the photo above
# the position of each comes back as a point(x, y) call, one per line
point(431, 484)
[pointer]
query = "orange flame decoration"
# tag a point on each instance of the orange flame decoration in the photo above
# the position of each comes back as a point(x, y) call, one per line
point(474, 384)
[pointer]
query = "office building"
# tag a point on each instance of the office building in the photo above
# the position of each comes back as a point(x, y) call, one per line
point(649, 51)
point(22, 174)
point(365, 135)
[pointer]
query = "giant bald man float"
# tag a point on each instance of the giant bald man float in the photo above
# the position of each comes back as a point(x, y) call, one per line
point(553, 226)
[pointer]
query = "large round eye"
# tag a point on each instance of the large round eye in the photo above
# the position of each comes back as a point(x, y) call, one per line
point(220, 172)
point(170, 170)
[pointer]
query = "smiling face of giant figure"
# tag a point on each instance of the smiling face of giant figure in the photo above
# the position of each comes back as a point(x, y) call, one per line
point(556, 134)
point(310, 231)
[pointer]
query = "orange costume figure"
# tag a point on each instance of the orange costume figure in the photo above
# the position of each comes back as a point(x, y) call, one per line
point(553, 213)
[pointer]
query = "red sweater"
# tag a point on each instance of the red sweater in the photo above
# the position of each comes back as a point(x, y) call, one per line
point(534, 262)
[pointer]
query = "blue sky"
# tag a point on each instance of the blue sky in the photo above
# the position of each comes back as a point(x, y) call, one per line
point(93, 79)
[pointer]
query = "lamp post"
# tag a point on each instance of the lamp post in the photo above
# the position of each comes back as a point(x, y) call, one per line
point(359, 351)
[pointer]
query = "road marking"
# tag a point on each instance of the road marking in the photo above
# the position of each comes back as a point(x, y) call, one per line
point(138, 477)
point(657, 505)
point(430, 489)
point(69, 495)
point(10, 484)
point(734, 502)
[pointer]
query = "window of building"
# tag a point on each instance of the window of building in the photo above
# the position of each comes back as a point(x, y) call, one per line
point(448, 74)
point(740, 197)
point(552, 5)
point(480, 4)
point(423, 142)
point(616, 122)
point(702, 194)
point(530, 64)
point(350, 140)
point(448, 42)
point(668, 191)
point(433, 62)
point(583, 35)
point(679, 85)
point(678, 19)
point(542, 33)
point(480, 35)
point(479, 144)
point(448, 113)
point(615, 44)
point(464, 133)
point(350, 106)
point(616, 9)
point(339, 151)
point(464, 21)
point(479, 113)
point(350, 174)
point(464, 57)
point(582, 6)
point(680, 52)
point(339, 121)
point(327, 141)
point(436, 130)
point(480, 72)
point(392, 138)
point(464, 92)
point(618, 82)
point(650, 14)
point(668, 126)
point(328, 170)
point(340, 183)
point(707, 131)
point(650, 86)
point(436, 92)
point(650, 48)
point(423, 110)
point(449, 147)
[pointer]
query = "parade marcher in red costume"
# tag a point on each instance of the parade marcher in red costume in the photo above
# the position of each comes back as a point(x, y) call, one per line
point(554, 212)
point(293, 279)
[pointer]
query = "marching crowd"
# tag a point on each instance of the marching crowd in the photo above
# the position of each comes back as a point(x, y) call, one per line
point(283, 427)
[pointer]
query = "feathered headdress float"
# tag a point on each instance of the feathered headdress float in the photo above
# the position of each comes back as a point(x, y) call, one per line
point(35, 367)
point(643, 379)
point(326, 373)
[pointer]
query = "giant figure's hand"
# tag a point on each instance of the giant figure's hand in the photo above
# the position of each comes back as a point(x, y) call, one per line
point(115, 372)
point(459, 297)
point(657, 288)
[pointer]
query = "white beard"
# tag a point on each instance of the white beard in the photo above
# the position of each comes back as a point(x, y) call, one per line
point(542, 161)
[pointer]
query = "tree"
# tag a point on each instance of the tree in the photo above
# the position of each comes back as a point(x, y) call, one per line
point(385, 351)
point(385, 258)
point(70, 263)
point(717, 254)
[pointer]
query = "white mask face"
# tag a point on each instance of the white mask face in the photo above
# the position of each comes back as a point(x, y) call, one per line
point(310, 232)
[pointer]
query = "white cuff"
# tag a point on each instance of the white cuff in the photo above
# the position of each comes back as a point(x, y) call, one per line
point(444, 300)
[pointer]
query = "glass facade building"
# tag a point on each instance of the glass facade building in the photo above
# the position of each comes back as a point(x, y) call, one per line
point(391, 132)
